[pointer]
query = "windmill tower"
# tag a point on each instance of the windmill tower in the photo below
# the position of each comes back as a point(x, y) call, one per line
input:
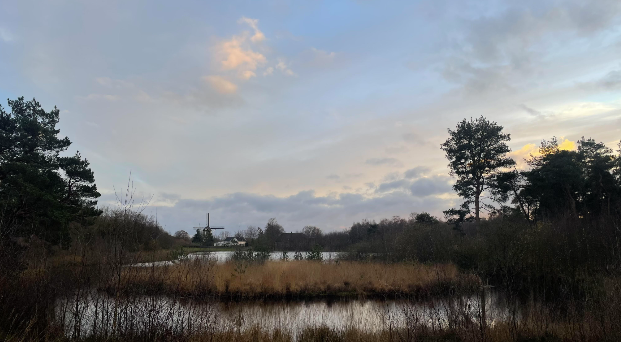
point(208, 228)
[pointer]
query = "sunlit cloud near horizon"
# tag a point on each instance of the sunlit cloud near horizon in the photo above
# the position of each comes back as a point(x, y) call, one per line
point(314, 113)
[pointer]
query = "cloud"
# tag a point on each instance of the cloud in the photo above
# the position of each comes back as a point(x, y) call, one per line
point(165, 199)
point(416, 172)
point(413, 138)
point(532, 150)
point(318, 58)
point(384, 161)
point(520, 156)
point(520, 27)
point(567, 145)
point(143, 97)
point(478, 79)
point(330, 212)
point(421, 187)
point(221, 84)
point(428, 186)
point(323, 55)
point(282, 66)
point(506, 51)
point(396, 149)
point(333, 176)
point(247, 74)
point(393, 185)
point(236, 54)
point(254, 24)
point(205, 98)
point(612, 81)
point(531, 111)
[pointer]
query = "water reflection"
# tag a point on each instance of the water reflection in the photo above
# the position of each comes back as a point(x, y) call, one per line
point(99, 314)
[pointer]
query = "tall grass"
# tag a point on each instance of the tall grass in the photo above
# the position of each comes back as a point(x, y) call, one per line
point(296, 279)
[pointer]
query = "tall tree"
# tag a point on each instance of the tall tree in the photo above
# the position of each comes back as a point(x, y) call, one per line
point(476, 150)
point(207, 237)
point(272, 231)
point(40, 190)
point(198, 237)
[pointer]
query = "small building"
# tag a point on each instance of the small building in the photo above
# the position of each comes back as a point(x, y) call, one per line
point(228, 242)
point(231, 242)
point(241, 241)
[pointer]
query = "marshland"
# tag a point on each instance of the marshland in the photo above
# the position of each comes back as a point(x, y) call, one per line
point(392, 171)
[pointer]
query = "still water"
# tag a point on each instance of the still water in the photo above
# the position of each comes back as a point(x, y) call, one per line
point(96, 313)
point(222, 256)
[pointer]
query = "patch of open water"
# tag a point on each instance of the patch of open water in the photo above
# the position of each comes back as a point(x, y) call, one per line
point(222, 256)
point(99, 314)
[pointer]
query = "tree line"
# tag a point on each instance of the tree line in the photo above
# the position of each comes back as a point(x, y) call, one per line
point(43, 193)
point(583, 183)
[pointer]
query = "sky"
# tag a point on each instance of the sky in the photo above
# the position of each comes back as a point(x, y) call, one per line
point(312, 112)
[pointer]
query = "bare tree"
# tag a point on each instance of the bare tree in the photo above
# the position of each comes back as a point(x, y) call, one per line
point(251, 233)
point(312, 232)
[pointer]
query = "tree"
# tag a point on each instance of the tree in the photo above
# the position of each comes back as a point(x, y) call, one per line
point(182, 234)
point(312, 232)
point(41, 192)
point(580, 182)
point(509, 185)
point(207, 237)
point(476, 151)
point(425, 217)
point(273, 229)
point(251, 233)
point(198, 237)
point(598, 163)
point(617, 168)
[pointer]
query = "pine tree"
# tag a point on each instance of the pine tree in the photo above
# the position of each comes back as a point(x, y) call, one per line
point(476, 151)
point(41, 192)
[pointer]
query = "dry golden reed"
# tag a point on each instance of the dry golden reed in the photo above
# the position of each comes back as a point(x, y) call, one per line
point(295, 278)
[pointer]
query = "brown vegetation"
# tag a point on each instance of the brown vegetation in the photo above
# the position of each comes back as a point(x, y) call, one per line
point(304, 279)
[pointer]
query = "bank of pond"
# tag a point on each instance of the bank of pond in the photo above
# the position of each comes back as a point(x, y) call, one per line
point(215, 297)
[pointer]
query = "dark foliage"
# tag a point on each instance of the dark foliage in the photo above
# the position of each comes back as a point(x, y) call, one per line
point(41, 191)
point(476, 151)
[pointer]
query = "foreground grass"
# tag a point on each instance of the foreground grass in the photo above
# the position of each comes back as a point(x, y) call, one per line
point(294, 279)
point(469, 333)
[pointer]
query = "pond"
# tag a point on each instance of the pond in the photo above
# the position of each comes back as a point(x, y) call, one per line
point(96, 313)
point(222, 256)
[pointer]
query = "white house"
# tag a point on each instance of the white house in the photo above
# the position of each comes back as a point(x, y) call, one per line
point(231, 242)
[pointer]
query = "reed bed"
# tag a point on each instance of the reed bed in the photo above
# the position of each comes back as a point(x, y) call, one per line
point(294, 279)
point(498, 333)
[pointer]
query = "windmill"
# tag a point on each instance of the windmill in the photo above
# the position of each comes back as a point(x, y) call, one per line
point(208, 228)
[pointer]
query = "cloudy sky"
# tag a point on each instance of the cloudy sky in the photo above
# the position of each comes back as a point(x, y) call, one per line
point(313, 112)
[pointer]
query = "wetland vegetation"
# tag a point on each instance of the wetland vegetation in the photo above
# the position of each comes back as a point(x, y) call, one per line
point(543, 265)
